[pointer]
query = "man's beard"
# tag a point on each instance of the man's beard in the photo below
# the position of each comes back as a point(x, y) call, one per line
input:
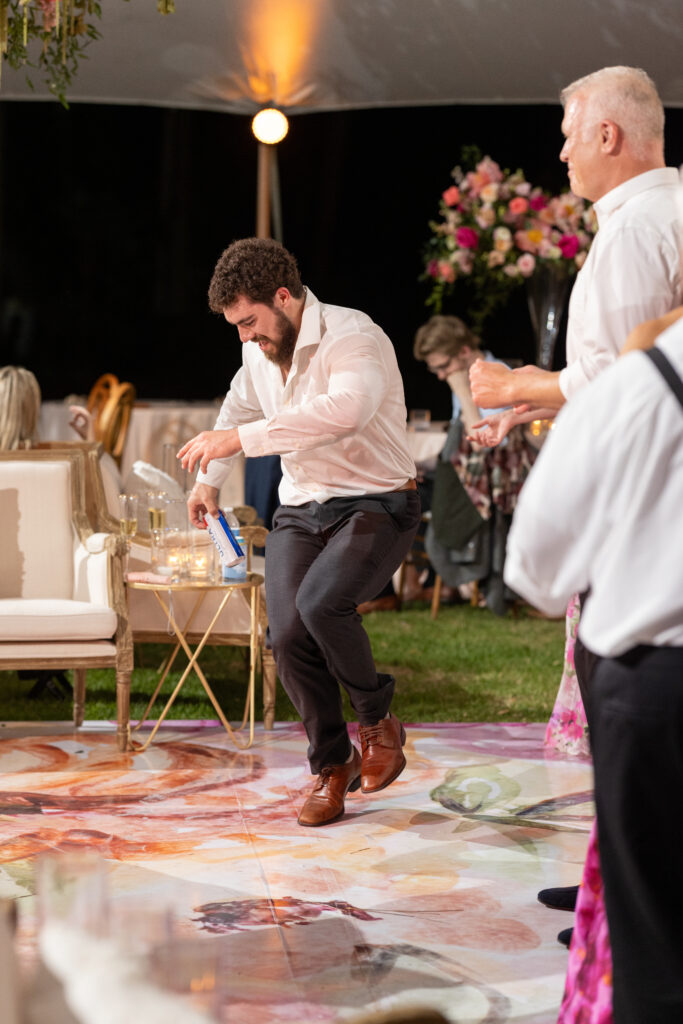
point(285, 344)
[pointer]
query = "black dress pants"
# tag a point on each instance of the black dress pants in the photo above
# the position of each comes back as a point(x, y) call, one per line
point(636, 724)
point(322, 561)
point(584, 665)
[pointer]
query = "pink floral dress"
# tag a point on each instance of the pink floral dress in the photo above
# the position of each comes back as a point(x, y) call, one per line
point(567, 731)
point(588, 989)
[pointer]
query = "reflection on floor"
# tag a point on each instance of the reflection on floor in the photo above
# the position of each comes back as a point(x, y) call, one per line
point(424, 893)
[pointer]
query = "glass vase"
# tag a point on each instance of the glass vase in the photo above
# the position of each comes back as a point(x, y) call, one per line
point(547, 292)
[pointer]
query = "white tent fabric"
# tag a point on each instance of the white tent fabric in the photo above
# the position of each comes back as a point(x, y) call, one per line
point(236, 55)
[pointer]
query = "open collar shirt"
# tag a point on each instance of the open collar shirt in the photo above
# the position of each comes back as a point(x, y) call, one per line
point(339, 420)
point(615, 525)
point(632, 273)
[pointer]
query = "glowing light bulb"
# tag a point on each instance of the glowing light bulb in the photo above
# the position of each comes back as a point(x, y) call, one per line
point(270, 125)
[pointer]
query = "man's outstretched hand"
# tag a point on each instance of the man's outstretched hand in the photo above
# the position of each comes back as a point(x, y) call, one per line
point(490, 431)
point(210, 444)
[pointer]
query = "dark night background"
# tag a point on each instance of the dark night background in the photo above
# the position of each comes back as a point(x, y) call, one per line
point(112, 218)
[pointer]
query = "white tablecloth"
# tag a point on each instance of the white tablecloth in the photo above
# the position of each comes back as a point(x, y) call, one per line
point(425, 445)
point(152, 425)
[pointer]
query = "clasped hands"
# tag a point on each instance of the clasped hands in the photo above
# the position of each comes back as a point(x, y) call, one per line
point(493, 385)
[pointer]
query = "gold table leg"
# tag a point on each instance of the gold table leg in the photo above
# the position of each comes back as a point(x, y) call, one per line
point(193, 665)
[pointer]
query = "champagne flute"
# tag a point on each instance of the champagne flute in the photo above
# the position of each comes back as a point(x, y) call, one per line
point(156, 508)
point(128, 521)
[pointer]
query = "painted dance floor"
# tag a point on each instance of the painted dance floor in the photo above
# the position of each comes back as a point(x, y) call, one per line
point(422, 894)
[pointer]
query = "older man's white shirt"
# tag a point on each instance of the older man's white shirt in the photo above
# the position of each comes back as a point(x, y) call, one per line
point(632, 273)
point(603, 508)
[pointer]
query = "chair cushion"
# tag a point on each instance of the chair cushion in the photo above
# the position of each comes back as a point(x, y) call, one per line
point(48, 619)
point(70, 654)
point(36, 554)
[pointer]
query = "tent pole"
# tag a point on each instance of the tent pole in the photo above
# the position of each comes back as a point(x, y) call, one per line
point(263, 191)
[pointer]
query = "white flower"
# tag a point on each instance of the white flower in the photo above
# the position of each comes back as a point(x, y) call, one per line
point(502, 239)
point(526, 264)
point(489, 193)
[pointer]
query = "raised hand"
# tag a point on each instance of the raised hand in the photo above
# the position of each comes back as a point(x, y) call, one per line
point(210, 444)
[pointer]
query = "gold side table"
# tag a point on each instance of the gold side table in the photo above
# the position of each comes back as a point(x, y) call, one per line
point(248, 590)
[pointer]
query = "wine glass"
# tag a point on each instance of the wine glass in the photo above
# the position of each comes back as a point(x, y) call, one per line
point(156, 508)
point(419, 419)
point(128, 521)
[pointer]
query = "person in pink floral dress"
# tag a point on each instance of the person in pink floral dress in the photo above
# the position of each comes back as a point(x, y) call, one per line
point(587, 995)
point(567, 730)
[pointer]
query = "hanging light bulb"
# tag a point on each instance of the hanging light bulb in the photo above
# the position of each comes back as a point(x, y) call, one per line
point(270, 125)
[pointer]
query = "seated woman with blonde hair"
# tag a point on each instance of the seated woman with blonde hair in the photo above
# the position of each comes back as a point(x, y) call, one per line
point(20, 401)
point(19, 407)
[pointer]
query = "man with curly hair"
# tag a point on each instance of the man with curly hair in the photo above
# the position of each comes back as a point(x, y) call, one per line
point(320, 386)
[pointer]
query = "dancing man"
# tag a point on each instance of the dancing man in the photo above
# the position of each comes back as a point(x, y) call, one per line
point(320, 386)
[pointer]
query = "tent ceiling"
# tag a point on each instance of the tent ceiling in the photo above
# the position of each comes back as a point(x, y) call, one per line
point(235, 55)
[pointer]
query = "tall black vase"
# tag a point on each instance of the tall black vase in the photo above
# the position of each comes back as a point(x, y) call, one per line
point(547, 291)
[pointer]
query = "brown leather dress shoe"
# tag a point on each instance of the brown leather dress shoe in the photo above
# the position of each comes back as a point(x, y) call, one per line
point(325, 802)
point(379, 604)
point(383, 759)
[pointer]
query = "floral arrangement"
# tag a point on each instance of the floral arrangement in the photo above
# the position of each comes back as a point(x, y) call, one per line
point(496, 229)
point(60, 29)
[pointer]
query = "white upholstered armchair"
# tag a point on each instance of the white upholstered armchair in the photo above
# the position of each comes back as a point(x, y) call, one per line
point(62, 600)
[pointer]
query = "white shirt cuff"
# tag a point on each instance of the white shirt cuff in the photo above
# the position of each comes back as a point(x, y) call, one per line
point(254, 438)
point(571, 380)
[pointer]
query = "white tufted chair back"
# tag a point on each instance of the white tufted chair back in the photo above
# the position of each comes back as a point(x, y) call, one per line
point(37, 551)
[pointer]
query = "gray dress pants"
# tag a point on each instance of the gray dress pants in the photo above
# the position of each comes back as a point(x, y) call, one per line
point(322, 561)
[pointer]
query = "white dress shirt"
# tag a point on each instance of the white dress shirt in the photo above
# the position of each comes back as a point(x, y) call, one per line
point(603, 508)
point(632, 273)
point(339, 421)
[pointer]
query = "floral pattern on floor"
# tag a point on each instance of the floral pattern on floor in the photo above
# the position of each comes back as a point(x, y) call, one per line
point(424, 893)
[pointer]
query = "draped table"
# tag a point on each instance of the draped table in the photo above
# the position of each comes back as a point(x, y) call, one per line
point(152, 425)
point(425, 444)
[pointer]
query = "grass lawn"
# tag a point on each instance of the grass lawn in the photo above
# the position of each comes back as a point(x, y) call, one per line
point(467, 666)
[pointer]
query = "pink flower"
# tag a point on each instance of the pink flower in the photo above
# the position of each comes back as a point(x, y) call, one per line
point(465, 260)
point(48, 8)
point(538, 202)
point(518, 205)
point(451, 196)
point(433, 268)
point(446, 271)
point(569, 244)
point(489, 170)
point(467, 238)
point(526, 264)
point(486, 217)
point(529, 240)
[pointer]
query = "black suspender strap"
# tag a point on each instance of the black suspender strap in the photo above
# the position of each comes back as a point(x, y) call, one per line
point(667, 371)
